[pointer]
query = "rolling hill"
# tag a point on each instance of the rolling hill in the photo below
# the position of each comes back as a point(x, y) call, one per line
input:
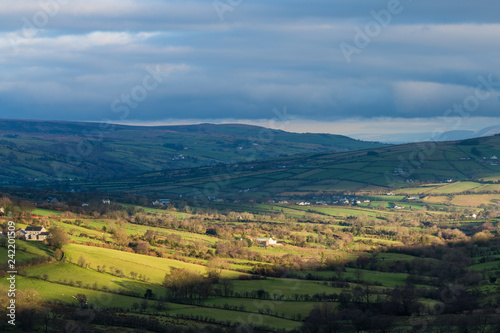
point(51, 150)
point(464, 134)
point(366, 170)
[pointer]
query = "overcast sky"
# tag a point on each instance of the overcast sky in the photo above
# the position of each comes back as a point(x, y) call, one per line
point(334, 65)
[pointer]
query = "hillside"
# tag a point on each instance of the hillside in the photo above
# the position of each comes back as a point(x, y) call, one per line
point(193, 269)
point(48, 150)
point(366, 170)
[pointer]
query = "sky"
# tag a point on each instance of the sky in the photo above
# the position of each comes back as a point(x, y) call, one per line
point(369, 69)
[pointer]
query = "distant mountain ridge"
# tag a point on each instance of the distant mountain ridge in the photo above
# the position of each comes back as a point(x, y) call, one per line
point(49, 150)
point(465, 134)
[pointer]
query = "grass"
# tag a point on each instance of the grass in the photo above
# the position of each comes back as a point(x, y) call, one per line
point(34, 248)
point(254, 305)
point(45, 212)
point(134, 229)
point(57, 292)
point(471, 200)
point(26, 250)
point(485, 266)
point(58, 272)
point(286, 287)
point(77, 230)
point(153, 267)
point(376, 240)
point(239, 317)
point(391, 257)
point(19, 257)
point(386, 279)
point(103, 300)
point(457, 187)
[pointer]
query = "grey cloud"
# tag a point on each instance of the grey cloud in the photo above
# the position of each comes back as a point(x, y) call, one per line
point(263, 55)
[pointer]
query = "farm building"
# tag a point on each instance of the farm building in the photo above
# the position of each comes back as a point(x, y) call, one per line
point(162, 202)
point(264, 242)
point(20, 234)
point(32, 233)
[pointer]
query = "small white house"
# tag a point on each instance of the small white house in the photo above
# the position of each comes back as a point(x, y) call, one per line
point(272, 241)
point(265, 242)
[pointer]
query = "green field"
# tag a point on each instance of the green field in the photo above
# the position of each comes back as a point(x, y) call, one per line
point(154, 268)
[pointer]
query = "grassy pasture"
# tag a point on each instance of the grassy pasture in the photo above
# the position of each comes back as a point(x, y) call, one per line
point(45, 212)
point(485, 266)
point(20, 255)
point(472, 200)
point(287, 287)
point(154, 267)
point(57, 292)
point(35, 248)
point(385, 278)
point(65, 271)
point(287, 307)
point(238, 317)
point(457, 187)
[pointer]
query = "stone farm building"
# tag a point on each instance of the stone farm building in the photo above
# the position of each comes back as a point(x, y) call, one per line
point(32, 234)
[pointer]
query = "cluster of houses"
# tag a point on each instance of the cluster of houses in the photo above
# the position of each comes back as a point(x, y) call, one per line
point(32, 234)
point(493, 159)
point(322, 201)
